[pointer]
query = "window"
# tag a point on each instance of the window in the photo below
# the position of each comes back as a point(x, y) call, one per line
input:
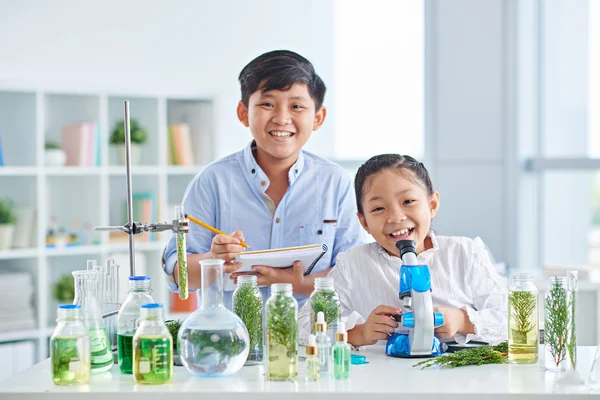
point(379, 72)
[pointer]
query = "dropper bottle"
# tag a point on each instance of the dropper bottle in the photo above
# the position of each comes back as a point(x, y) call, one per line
point(312, 362)
point(323, 342)
point(341, 353)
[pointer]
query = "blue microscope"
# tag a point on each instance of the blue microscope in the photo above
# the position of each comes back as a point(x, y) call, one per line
point(415, 336)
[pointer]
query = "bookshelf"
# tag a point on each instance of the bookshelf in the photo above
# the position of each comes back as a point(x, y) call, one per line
point(94, 193)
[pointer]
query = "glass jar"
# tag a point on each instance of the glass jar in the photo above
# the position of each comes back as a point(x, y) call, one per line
point(70, 347)
point(152, 347)
point(213, 341)
point(140, 293)
point(248, 305)
point(572, 282)
point(86, 296)
point(324, 298)
point(282, 334)
point(523, 330)
point(558, 319)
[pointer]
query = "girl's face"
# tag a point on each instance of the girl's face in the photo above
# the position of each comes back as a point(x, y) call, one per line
point(396, 208)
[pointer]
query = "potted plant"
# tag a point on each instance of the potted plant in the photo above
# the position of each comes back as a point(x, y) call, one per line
point(63, 289)
point(54, 156)
point(138, 138)
point(8, 220)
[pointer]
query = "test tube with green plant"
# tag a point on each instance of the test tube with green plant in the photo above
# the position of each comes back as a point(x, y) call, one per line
point(181, 252)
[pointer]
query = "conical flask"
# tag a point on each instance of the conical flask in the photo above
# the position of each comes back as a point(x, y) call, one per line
point(86, 295)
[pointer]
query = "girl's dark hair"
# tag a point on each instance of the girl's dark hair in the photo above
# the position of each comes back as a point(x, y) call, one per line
point(378, 163)
point(279, 70)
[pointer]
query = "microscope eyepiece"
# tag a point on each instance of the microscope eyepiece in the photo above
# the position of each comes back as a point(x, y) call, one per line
point(406, 246)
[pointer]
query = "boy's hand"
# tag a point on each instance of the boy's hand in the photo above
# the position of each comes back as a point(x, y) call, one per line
point(379, 326)
point(227, 248)
point(267, 275)
point(455, 321)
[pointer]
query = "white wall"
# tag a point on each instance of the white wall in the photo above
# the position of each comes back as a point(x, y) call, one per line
point(180, 47)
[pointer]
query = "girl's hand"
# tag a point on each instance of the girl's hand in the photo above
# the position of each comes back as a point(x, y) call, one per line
point(379, 326)
point(455, 321)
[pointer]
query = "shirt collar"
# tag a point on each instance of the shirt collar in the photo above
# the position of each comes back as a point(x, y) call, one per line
point(422, 257)
point(259, 177)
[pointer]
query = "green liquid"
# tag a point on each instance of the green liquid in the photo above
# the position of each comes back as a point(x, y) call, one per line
point(153, 359)
point(125, 352)
point(341, 361)
point(70, 358)
point(102, 358)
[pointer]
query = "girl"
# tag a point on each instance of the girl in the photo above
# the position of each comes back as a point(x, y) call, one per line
point(396, 201)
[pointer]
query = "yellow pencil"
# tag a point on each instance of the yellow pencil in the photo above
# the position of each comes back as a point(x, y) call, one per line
point(214, 230)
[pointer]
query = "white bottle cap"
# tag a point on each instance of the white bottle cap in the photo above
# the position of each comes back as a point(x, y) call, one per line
point(341, 327)
point(312, 341)
point(311, 347)
point(320, 317)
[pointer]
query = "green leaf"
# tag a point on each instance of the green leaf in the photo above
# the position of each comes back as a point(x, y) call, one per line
point(138, 134)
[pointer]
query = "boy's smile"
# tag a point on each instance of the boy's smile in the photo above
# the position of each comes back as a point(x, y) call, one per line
point(281, 122)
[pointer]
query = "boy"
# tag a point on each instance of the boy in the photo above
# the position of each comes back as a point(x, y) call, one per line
point(274, 192)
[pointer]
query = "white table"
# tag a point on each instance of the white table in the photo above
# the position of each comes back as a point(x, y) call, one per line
point(382, 378)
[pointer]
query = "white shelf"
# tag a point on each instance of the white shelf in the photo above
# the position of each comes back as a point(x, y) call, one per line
point(72, 251)
point(72, 171)
point(135, 170)
point(18, 171)
point(18, 253)
point(139, 246)
point(187, 170)
point(11, 336)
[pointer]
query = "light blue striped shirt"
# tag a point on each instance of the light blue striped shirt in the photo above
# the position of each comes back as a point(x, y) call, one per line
point(318, 207)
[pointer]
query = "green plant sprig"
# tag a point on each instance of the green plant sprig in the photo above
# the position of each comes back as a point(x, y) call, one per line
point(248, 306)
point(556, 326)
point(326, 301)
point(7, 212)
point(522, 306)
point(138, 134)
point(282, 324)
point(475, 356)
point(173, 327)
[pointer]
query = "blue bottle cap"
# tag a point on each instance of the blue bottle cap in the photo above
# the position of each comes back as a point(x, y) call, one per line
point(152, 305)
point(139, 278)
point(69, 306)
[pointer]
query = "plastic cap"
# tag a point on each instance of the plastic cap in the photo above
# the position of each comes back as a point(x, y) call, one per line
point(69, 306)
point(139, 278)
point(341, 327)
point(152, 305)
point(312, 341)
point(320, 317)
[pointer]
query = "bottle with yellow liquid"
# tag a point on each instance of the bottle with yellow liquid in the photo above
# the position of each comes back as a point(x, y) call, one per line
point(152, 348)
point(523, 330)
point(282, 334)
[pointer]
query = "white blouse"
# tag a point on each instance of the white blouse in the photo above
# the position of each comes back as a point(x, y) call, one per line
point(462, 276)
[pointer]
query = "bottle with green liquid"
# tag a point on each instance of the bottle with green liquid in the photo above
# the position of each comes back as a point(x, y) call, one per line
point(70, 348)
point(86, 296)
point(341, 353)
point(139, 293)
point(523, 331)
point(152, 348)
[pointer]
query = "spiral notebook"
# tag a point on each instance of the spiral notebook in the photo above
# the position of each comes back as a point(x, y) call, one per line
point(283, 258)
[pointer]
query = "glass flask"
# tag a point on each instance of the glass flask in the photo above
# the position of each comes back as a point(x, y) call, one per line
point(70, 348)
point(86, 296)
point(213, 341)
point(140, 293)
point(324, 298)
point(282, 334)
point(152, 347)
point(558, 319)
point(248, 305)
point(523, 330)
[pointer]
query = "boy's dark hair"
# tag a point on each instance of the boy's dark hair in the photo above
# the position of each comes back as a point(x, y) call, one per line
point(279, 70)
point(416, 169)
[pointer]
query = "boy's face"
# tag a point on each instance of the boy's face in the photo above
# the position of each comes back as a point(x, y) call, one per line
point(396, 208)
point(281, 122)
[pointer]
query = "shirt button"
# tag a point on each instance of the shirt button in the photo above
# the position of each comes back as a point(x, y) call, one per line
point(253, 170)
point(277, 220)
point(263, 183)
point(319, 232)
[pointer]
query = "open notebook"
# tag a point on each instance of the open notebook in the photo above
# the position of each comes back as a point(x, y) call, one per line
point(282, 258)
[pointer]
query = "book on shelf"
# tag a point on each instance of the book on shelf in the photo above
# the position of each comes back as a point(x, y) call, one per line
point(145, 209)
point(81, 143)
point(180, 145)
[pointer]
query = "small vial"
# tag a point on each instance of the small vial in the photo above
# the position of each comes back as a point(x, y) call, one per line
point(341, 353)
point(323, 342)
point(313, 365)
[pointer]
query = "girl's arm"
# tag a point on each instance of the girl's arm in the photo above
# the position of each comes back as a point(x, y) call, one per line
point(489, 298)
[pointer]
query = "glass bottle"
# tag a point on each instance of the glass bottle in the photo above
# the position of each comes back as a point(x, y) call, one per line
point(140, 293)
point(341, 354)
point(248, 305)
point(313, 365)
point(70, 347)
point(324, 298)
point(282, 334)
point(86, 296)
point(572, 281)
point(557, 324)
point(152, 347)
point(182, 228)
point(213, 341)
point(523, 330)
point(323, 342)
